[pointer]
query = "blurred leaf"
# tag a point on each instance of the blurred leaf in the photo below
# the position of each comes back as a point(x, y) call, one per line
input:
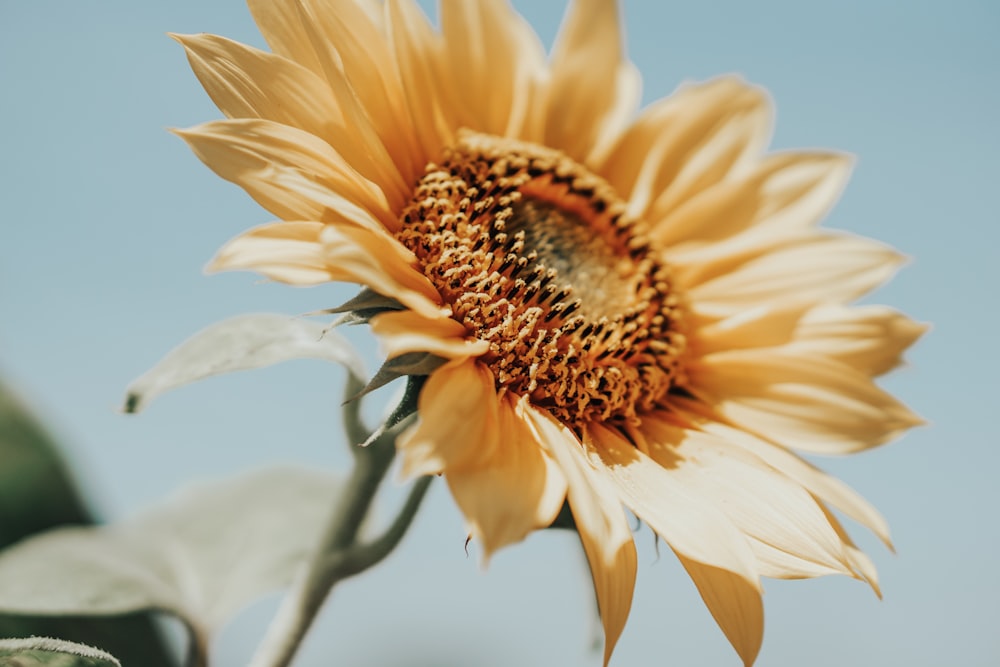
point(36, 493)
point(203, 555)
point(45, 652)
point(241, 343)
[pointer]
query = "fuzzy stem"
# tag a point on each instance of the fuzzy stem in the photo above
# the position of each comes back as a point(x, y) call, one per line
point(338, 554)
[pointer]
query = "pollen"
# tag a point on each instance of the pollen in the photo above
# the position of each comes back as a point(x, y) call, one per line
point(536, 255)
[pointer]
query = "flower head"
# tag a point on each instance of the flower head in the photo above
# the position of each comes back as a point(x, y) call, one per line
point(627, 308)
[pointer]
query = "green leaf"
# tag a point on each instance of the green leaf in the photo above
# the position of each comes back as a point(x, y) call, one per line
point(36, 494)
point(241, 343)
point(45, 652)
point(202, 555)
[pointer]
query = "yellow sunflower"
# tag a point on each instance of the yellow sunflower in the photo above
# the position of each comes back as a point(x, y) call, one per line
point(632, 308)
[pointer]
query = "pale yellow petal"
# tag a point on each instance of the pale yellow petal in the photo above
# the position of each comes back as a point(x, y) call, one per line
point(518, 490)
point(245, 82)
point(292, 173)
point(807, 270)
point(764, 325)
point(407, 331)
point(788, 531)
point(734, 603)
point(289, 252)
point(458, 428)
point(799, 401)
point(379, 261)
point(497, 61)
point(713, 551)
point(687, 142)
point(428, 88)
point(353, 48)
point(827, 488)
point(871, 339)
point(594, 89)
point(600, 521)
point(280, 22)
point(782, 192)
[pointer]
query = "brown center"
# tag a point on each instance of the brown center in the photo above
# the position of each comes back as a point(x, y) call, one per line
point(535, 255)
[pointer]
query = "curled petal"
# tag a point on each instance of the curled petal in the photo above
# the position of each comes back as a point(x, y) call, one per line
point(292, 173)
point(517, 490)
point(599, 519)
point(289, 252)
point(407, 331)
point(458, 426)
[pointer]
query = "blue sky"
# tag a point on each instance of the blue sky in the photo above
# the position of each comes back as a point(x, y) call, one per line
point(108, 220)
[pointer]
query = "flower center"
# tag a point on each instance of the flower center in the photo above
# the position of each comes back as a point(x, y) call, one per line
point(535, 255)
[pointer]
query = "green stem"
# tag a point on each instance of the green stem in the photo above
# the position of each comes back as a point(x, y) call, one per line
point(338, 555)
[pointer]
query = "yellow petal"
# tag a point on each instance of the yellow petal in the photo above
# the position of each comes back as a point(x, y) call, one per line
point(677, 513)
point(379, 261)
point(458, 422)
point(497, 61)
point(735, 605)
point(407, 331)
point(871, 339)
point(804, 402)
point(289, 252)
point(788, 531)
point(600, 521)
point(293, 174)
point(594, 89)
point(782, 192)
point(809, 270)
point(713, 551)
point(245, 82)
point(352, 46)
point(687, 142)
point(517, 490)
point(280, 22)
point(825, 487)
point(428, 88)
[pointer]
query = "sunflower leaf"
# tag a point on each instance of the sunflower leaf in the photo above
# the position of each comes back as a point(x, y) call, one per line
point(202, 555)
point(240, 343)
point(45, 652)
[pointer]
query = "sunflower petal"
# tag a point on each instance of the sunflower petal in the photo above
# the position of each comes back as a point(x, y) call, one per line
point(827, 488)
point(800, 401)
point(712, 549)
point(406, 331)
point(280, 22)
point(518, 490)
point(489, 36)
point(428, 89)
point(871, 339)
point(734, 603)
point(289, 252)
point(686, 142)
point(356, 56)
point(600, 522)
point(782, 192)
point(789, 533)
point(458, 426)
point(293, 174)
point(809, 269)
point(594, 89)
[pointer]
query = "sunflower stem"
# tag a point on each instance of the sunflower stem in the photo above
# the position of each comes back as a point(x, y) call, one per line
point(339, 554)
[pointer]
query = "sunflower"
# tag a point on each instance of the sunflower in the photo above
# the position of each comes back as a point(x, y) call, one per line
point(625, 309)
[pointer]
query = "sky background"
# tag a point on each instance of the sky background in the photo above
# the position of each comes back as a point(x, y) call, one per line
point(108, 220)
